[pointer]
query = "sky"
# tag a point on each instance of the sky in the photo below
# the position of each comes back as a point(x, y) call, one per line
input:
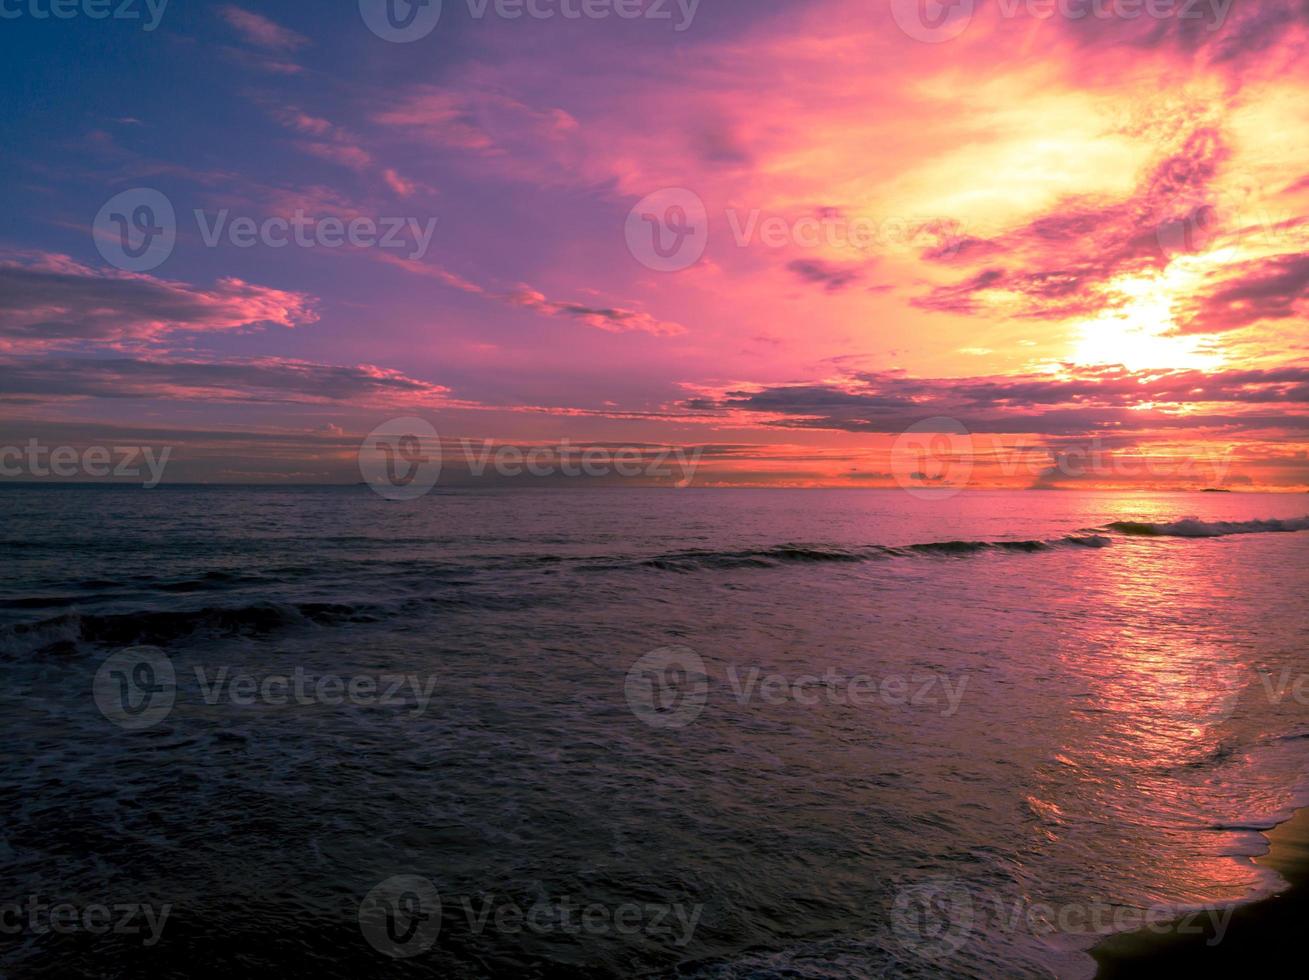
point(1021, 243)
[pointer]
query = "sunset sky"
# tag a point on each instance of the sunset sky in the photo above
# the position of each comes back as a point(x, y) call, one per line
point(1067, 237)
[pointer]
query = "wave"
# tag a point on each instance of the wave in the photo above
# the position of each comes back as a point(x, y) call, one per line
point(797, 554)
point(762, 558)
point(1101, 537)
point(63, 634)
point(68, 632)
point(1192, 527)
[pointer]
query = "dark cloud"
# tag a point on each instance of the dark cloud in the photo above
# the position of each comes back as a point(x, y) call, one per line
point(830, 276)
point(1220, 32)
point(1256, 27)
point(1097, 399)
point(264, 379)
point(50, 301)
point(612, 319)
point(1266, 289)
point(966, 248)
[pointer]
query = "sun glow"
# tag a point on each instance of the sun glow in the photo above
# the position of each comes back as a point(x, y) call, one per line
point(1138, 330)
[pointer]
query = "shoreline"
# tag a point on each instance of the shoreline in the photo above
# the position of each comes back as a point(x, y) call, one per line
point(1256, 937)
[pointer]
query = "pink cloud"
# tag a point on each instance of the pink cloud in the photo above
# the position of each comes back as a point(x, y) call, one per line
point(397, 183)
point(1074, 402)
point(484, 122)
point(339, 145)
point(259, 30)
point(304, 123)
point(260, 62)
point(50, 301)
point(354, 157)
point(251, 379)
point(610, 318)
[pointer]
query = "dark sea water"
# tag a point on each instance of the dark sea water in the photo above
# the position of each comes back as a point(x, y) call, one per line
point(712, 733)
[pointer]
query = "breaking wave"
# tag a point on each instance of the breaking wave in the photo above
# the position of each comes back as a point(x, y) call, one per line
point(792, 554)
point(1100, 537)
point(1191, 527)
point(64, 632)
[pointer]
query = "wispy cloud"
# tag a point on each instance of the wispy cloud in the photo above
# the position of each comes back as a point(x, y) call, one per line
point(259, 30)
point(1076, 401)
point(257, 379)
point(614, 319)
point(50, 301)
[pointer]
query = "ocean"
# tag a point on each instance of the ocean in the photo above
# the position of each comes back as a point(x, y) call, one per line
point(617, 732)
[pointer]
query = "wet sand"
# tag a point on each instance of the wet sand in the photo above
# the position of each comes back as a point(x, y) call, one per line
point(1257, 938)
